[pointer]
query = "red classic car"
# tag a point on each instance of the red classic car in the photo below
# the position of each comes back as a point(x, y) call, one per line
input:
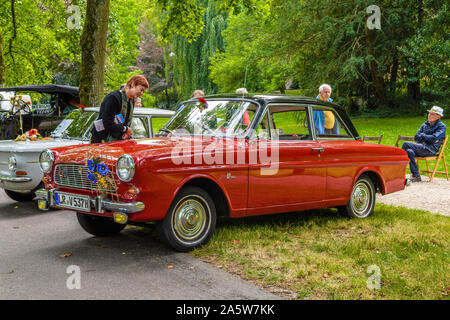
point(229, 155)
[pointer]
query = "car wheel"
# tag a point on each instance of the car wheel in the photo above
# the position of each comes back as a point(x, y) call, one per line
point(362, 199)
point(21, 197)
point(99, 226)
point(190, 221)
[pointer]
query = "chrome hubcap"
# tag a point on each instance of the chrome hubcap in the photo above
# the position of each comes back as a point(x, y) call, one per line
point(189, 219)
point(361, 199)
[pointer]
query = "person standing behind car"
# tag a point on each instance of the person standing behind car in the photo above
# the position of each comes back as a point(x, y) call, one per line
point(325, 121)
point(196, 94)
point(138, 103)
point(245, 116)
point(116, 112)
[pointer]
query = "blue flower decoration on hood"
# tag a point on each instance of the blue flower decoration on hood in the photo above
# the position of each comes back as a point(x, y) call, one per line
point(92, 177)
point(102, 169)
point(91, 165)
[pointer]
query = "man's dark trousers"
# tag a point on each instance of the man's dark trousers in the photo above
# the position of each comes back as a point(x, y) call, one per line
point(415, 150)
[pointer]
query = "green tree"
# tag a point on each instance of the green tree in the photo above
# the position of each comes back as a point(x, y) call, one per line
point(35, 41)
point(2, 62)
point(184, 17)
point(330, 42)
point(191, 59)
point(123, 41)
point(247, 61)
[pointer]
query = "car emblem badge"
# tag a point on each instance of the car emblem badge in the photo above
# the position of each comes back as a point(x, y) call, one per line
point(229, 176)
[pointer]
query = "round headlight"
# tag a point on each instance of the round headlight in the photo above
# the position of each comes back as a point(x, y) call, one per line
point(12, 163)
point(125, 168)
point(46, 159)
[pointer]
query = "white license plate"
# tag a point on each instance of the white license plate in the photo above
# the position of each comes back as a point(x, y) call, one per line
point(72, 201)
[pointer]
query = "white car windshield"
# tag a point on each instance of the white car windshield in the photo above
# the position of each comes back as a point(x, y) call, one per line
point(77, 125)
point(213, 117)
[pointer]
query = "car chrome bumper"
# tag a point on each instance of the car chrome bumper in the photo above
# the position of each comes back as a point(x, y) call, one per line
point(46, 200)
point(14, 178)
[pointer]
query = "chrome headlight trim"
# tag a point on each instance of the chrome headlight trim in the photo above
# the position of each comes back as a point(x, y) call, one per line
point(12, 163)
point(125, 168)
point(46, 160)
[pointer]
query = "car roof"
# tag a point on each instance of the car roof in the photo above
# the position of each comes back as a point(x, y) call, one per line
point(272, 98)
point(264, 99)
point(44, 88)
point(143, 111)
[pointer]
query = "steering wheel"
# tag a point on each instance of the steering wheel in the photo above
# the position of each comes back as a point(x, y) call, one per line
point(20, 105)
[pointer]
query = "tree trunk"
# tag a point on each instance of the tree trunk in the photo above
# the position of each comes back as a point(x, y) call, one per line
point(378, 82)
point(2, 63)
point(93, 52)
point(394, 73)
point(413, 71)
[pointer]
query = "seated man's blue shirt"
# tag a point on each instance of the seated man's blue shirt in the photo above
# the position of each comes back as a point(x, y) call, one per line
point(431, 136)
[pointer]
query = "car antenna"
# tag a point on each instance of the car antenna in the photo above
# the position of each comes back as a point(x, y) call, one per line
point(245, 76)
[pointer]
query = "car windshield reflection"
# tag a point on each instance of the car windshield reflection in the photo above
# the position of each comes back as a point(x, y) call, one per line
point(213, 118)
point(76, 125)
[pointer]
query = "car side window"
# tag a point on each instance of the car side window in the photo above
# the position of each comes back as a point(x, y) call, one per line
point(327, 123)
point(262, 130)
point(290, 122)
point(158, 123)
point(140, 128)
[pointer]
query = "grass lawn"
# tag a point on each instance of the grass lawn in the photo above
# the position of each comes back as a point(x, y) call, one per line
point(392, 127)
point(319, 255)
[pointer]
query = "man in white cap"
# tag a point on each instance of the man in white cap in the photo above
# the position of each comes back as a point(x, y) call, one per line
point(428, 140)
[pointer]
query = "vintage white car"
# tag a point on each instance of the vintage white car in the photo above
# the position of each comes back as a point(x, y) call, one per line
point(20, 173)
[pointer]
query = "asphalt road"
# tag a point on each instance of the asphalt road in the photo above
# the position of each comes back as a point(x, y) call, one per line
point(47, 255)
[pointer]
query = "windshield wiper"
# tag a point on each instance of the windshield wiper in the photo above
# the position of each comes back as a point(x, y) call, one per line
point(166, 130)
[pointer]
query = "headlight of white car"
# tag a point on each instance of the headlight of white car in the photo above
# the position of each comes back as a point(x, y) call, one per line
point(46, 159)
point(12, 163)
point(125, 168)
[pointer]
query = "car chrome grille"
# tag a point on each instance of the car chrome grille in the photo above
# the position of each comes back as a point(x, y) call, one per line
point(76, 176)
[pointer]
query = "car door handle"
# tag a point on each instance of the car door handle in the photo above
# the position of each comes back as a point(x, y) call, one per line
point(319, 151)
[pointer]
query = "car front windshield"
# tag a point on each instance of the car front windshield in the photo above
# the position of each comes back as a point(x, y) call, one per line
point(76, 125)
point(214, 118)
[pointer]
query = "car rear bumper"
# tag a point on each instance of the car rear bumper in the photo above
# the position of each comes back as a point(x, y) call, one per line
point(46, 200)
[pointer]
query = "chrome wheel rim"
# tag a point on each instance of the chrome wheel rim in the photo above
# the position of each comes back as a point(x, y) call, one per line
point(190, 219)
point(361, 199)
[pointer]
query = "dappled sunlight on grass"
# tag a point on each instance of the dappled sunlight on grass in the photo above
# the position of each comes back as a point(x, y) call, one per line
point(319, 255)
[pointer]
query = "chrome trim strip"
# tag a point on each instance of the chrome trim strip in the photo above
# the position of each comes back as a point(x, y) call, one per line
point(129, 207)
point(407, 182)
point(15, 179)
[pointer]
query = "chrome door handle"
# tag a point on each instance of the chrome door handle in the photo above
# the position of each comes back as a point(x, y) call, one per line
point(319, 151)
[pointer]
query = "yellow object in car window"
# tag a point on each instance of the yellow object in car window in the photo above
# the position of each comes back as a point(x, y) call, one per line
point(329, 119)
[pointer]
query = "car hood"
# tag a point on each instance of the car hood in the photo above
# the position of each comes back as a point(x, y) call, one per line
point(139, 149)
point(36, 146)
